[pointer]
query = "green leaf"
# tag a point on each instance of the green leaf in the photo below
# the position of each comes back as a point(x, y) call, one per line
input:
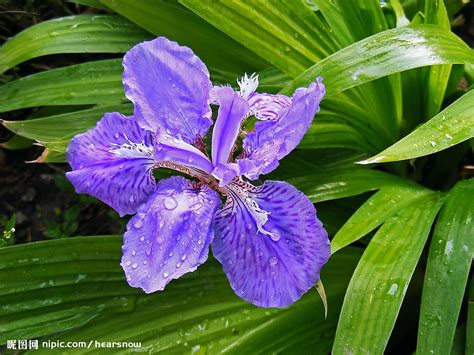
point(16, 142)
point(333, 184)
point(451, 126)
point(377, 209)
point(435, 78)
point(286, 33)
point(82, 84)
point(73, 34)
point(449, 262)
point(383, 54)
point(212, 46)
point(76, 286)
point(51, 286)
point(379, 283)
point(64, 126)
point(352, 21)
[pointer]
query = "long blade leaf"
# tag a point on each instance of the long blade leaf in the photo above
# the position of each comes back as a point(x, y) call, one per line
point(379, 283)
point(449, 262)
point(451, 126)
point(73, 34)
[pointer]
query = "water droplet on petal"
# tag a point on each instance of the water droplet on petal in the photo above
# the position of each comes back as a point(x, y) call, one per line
point(138, 222)
point(128, 263)
point(170, 203)
point(183, 257)
point(248, 226)
point(134, 253)
point(134, 265)
point(166, 274)
point(273, 260)
point(117, 135)
point(275, 235)
point(132, 198)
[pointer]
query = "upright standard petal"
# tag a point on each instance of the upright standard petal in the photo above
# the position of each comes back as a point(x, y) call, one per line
point(273, 139)
point(232, 110)
point(275, 266)
point(169, 86)
point(114, 163)
point(170, 235)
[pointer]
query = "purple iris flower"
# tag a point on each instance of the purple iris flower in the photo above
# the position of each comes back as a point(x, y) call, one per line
point(267, 237)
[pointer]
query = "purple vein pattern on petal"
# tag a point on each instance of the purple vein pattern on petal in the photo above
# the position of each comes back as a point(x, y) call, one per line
point(169, 86)
point(268, 107)
point(113, 162)
point(271, 270)
point(272, 140)
point(170, 235)
point(168, 149)
point(232, 110)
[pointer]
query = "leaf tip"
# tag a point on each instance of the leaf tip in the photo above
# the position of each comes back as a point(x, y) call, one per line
point(373, 160)
point(322, 294)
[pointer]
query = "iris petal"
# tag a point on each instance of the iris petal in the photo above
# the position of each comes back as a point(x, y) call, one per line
point(232, 110)
point(273, 139)
point(169, 86)
point(170, 235)
point(112, 165)
point(276, 266)
point(168, 149)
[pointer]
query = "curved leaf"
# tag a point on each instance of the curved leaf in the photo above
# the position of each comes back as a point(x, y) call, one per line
point(449, 262)
point(377, 209)
point(64, 126)
point(377, 288)
point(332, 184)
point(73, 34)
point(383, 54)
point(82, 84)
point(451, 126)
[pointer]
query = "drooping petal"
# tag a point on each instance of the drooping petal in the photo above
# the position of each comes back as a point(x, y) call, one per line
point(275, 266)
point(169, 86)
point(170, 235)
point(232, 110)
point(168, 149)
point(113, 162)
point(272, 140)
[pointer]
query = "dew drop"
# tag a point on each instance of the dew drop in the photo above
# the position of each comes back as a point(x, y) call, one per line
point(138, 222)
point(166, 274)
point(273, 260)
point(116, 135)
point(248, 226)
point(183, 257)
point(170, 203)
point(134, 265)
point(132, 198)
point(134, 253)
point(128, 263)
point(275, 235)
